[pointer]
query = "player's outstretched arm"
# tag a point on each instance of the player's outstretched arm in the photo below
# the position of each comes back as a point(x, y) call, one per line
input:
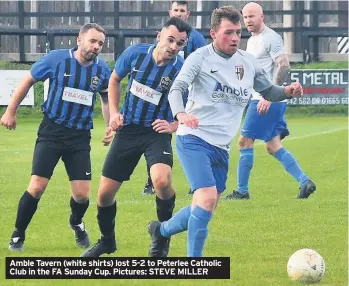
point(295, 89)
point(281, 73)
point(8, 120)
point(272, 92)
point(279, 93)
point(190, 69)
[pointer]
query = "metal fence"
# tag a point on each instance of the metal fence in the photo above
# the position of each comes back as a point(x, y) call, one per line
point(31, 28)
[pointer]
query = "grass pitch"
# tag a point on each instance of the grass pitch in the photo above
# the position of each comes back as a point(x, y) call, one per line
point(259, 235)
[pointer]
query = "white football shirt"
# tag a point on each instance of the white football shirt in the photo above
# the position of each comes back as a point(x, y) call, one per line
point(221, 88)
point(265, 47)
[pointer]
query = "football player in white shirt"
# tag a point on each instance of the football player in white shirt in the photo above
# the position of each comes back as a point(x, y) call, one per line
point(222, 79)
point(265, 120)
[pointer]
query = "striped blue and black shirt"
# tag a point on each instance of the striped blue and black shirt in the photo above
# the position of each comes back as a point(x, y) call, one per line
point(148, 85)
point(73, 87)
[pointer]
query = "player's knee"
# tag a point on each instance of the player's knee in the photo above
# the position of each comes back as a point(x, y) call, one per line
point(81, 191)
point(37, 186)
point(106, 192)
point(270, 149)
point(36, 192)
point(245, 142)
point(81, 198)
point(161, 181)
point(207, 200)
point(209, 203)
point(105, 198)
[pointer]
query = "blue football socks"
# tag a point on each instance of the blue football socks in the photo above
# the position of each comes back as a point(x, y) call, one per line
point(244, 169)
point(197, 231)
point(291, 166)
point(177, 223)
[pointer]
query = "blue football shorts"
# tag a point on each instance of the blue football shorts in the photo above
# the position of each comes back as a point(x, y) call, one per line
point(265, 126)
point(204, 165)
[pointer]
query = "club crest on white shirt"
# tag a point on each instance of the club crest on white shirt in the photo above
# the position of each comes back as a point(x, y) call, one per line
point(239, 71)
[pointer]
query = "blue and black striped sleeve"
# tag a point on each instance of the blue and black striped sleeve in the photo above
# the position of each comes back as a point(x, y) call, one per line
point(123, 63)
point(45, 67)
point(104, 87)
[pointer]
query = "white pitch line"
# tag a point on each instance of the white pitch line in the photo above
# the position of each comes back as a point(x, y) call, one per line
point(16, 151)
point(308, 135)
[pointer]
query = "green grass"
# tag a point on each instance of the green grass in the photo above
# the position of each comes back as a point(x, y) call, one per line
point(322, 65)
point(258, 235)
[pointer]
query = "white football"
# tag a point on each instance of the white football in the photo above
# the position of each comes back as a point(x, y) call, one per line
point(306, 265)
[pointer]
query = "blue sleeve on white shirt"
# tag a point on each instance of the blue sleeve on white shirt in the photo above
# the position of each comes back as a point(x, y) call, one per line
point(45, 67)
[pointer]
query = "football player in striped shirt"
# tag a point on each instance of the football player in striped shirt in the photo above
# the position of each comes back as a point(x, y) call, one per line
point(144, 128)
point(76, 76)
point(180, 9)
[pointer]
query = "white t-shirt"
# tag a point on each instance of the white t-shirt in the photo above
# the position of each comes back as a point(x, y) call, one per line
point(220, 91)
point(265, 47)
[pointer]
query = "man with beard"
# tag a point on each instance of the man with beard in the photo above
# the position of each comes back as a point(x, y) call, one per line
point(75, 76)
point(144, 128)
point(181, 10)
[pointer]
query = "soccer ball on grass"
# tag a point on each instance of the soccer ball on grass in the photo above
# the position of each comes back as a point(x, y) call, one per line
point(306, 265)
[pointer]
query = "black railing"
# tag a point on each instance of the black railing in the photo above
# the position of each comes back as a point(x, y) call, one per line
point(120, 36)
point(308, 36)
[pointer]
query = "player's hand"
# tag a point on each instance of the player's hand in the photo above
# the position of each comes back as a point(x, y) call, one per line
point(263, 106)
point(116, 121)
point(109, 135)
point(162, 126)
point(188, 120)
point(8, 120)
point(294, 89)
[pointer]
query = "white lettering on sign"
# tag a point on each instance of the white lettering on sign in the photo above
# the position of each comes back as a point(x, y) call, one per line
point(320, 78)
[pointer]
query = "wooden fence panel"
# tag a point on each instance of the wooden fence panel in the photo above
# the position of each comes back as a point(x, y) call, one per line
point(9, 44)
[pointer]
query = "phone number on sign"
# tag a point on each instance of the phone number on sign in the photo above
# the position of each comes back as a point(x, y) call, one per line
point(318, 100)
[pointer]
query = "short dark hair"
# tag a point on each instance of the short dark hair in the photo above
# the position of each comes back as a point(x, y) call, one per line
point(225, 12)
point(90, 26)
point(181, 25)
point(181, 3)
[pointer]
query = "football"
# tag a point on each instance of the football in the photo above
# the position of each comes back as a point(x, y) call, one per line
point(306, 265)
